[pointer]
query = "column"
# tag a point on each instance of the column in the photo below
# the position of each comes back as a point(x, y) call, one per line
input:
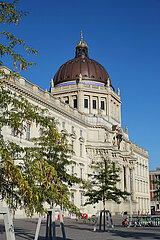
point(90, 104)
point(119, 114)
point(70, 100)
point(80, 99)
point(99, 105)
point(127, 179)
point(106, 106)
point(109, 107)
point(133, 183)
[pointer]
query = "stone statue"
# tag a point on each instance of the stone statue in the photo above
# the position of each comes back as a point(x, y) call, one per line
point(107, 136)
point(80, 77)
point(108, 82)
point(52, 83)
point(126, 129)
point(118, 92)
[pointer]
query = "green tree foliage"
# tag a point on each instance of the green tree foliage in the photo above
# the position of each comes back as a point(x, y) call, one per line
point(102, 183)
point(9, 42)
point(29, 176)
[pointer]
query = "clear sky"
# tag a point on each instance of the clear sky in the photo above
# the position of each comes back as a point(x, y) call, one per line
point(122, 35)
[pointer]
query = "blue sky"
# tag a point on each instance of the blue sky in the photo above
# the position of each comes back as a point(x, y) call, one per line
point(122, 35)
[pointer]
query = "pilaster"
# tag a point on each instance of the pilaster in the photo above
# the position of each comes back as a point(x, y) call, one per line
point(80, 101)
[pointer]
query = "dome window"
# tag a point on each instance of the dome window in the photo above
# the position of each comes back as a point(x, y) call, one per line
point(102, 105)
point(75, 103)
point(85, 103)
point(94, 104)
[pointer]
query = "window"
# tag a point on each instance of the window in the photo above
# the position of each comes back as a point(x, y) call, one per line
point(67, 100)
point(94, 104)
point(72, 198)
point(28, 131)
point(13, 132)
point(81, 173)
point(72, 170)
point(63, 125)
point(81, 199)
point(124, 170)
point(41, 114)
point(80, 149)
point(81, 133)
point(85, 103)
point(72, 129)
point(75, 103)
point(72, 144)
point(102, 105)
point(40, 132)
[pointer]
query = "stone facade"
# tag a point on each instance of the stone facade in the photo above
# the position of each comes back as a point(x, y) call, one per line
point(153, 176)
point(90, 112)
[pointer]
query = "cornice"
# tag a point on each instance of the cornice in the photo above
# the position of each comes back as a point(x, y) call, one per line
point(20, 89)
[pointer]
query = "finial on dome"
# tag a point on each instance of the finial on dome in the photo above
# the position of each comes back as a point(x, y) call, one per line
point(81, 48)
point(81, 36)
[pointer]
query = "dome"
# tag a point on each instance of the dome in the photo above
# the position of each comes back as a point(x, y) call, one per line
point(91, 70)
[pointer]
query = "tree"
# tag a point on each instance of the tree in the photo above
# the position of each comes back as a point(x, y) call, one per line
point(10, 15)
point(102, 183)
point(29, 176)
point(36, 178)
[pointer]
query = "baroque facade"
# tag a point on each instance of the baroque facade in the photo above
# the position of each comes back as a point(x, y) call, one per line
point(87, 107)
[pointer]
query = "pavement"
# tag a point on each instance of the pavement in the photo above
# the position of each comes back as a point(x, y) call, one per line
point(79, 230)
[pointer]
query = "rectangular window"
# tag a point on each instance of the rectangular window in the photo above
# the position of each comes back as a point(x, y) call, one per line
point(80, 149)
point(72, 129)
point(81, 173)
point(81, 133)
point(72, 144)
point(72, 170)
point(81, 199)
point(72, 198)
point(124, 170)
point(41, 114)
point(40, 132)
point(85, 103)
point(63, 125)
point(13, 132)
point(102, 105)
point(75, 103)
point(28, 131)
point(94, 104)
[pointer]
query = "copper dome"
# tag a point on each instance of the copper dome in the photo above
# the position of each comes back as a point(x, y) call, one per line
point(89, 68)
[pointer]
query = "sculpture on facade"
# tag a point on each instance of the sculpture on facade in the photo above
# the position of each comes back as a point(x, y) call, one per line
point(80, 77)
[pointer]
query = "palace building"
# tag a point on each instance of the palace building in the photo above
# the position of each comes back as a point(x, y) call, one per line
point(88, 108)
point(153, 177)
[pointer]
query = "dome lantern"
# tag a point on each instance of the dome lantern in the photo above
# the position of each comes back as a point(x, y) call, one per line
point(81, 48)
